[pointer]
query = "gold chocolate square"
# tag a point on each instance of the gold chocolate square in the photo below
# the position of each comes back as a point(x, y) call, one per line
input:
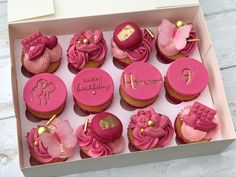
point(125, 33)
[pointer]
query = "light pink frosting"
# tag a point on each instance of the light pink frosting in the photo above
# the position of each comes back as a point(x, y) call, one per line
point(38, 65)
point(190, 132)
point(94, 148)
point(158, 135)
point(42, 63)
point(141, 53)
point(62, 131)
point(79, 54)
point(56, 53)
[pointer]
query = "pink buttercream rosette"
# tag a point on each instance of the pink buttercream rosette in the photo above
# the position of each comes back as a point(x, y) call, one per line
point(56, 145)
point(141, 53)
point(95, 148)
point(150, 130)
point(196, 126)
point(79, 53)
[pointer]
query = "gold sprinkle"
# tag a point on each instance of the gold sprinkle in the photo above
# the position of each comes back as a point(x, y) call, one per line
point(141, 130)
point(42, 129)
point(179, 23)
point(51, 119)
point(78, 41)
point(86, 41)
point(36, 143)
point(150, 123)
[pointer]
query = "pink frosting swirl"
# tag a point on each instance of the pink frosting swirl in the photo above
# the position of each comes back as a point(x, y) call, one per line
point(192, 131)
point(158, 134)
point(38, 65)
point(141, 53)
point(39, 151)
point(56, 53)
point(79, 53)
point(58, 143)
point(93, 147)
point(190, 46)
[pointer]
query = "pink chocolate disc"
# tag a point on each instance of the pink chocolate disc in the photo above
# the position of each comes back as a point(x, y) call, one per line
point(141, 81)
point(187, 76)
point(106, 127)
point(92, 87)
point(127, 36)
point(45, 93)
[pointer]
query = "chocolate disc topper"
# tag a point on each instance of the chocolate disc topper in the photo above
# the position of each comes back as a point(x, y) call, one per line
point(106, 127)
point(127, 36)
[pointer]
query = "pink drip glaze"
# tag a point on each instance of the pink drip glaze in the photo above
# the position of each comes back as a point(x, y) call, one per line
point(94, 148)
point(158, 135)
point(78, 53)
point(55, 54)
point(38, 65)
point(140, 53)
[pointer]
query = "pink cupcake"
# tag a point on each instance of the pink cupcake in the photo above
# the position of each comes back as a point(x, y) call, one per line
point(93, 90)
point(196, 123)
point(87, 50)
point(149, 130)
point(140, 84)
point(101, 137)
point(45, 95)
point(130, 44)
point(175, 41)
point(41, 53)
point(54, 142)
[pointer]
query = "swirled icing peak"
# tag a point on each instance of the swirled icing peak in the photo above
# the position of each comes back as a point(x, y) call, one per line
point(88, 45)
point(150, 129)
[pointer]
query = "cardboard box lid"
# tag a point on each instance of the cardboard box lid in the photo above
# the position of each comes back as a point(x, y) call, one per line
point(33, 10)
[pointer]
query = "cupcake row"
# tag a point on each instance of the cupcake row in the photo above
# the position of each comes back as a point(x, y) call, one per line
point(130, 44)
point(140, 85)
point(103, 135)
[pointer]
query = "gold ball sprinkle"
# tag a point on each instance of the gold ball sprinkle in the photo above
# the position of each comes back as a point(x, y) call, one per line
point(42, 129)
point(179, 23)
point(150, 123)
point(141, 130)
point(79, 42)
point(36, 143)
point(86, 41)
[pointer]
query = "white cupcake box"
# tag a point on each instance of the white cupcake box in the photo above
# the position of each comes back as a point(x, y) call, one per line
point(66, 17)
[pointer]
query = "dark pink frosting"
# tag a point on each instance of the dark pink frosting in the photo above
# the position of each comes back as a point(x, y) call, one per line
point(159, 134)
point(79, 53)
point(140, 53)
point(190, 46)
point(40, 152)
point(59, 142)
point(94, 147)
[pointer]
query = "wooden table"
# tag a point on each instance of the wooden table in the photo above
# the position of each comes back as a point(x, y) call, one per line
point(221, 19)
